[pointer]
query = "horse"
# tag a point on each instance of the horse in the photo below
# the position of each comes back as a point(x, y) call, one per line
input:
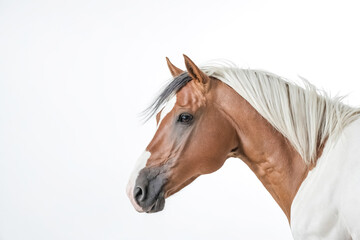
point(302, 144)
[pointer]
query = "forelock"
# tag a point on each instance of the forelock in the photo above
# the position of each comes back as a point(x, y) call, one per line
point(169, 91)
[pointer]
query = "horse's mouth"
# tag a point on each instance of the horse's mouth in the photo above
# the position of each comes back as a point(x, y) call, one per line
point(158, 205)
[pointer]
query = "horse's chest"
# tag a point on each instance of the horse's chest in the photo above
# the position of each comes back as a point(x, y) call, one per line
point(327, 205)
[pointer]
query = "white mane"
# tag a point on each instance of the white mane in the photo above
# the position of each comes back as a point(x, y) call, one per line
point(305, 116)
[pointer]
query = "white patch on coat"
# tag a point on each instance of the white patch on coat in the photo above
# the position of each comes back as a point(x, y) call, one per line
point(140, 164)
point(326, 205)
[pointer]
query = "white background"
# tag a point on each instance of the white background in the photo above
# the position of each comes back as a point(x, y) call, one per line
point(74, 75)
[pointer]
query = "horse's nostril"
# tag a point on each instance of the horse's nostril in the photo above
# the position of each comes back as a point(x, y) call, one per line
point(139, 193)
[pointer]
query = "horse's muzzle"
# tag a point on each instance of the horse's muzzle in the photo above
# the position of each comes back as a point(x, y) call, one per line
point(149, 189)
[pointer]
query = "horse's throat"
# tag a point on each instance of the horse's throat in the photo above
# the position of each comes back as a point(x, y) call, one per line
point(282, 177)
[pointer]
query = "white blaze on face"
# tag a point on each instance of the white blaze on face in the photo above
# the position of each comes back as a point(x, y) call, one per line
point(168, 107)
point(142, 160)
point(140, 164)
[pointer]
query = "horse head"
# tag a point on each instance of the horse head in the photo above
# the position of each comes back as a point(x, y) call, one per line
point(193, 137)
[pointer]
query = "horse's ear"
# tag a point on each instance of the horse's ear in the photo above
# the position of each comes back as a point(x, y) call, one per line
point(196, 73)
point(174, 70)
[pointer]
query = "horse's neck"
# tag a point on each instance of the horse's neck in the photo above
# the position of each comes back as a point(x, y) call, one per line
point(268, 154)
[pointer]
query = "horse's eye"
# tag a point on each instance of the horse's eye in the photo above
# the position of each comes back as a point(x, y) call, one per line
point(185, 118)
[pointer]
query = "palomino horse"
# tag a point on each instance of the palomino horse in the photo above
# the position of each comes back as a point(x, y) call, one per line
point(301, 144)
